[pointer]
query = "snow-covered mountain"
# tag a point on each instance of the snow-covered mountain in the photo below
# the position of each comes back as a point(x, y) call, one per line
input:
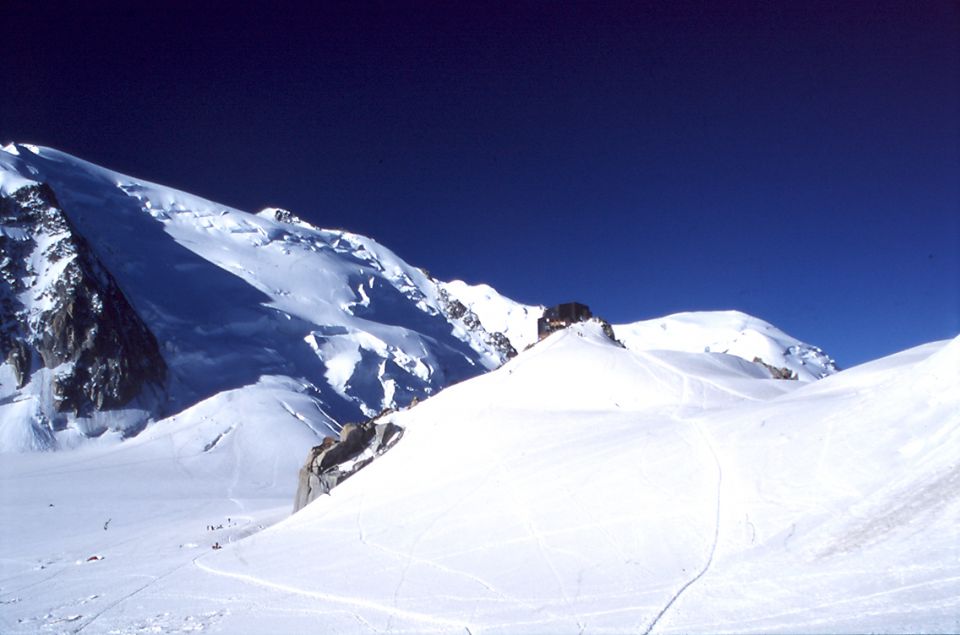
point(126, 301)
point(230, 297)
point(731, 332)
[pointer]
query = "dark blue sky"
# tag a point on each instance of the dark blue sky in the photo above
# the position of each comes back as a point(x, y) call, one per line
point(797, 161)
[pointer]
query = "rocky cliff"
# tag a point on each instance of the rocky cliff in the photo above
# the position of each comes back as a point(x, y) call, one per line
point(336, 460)
point(64, 322)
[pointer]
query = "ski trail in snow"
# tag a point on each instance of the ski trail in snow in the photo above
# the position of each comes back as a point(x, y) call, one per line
point(534, 532)
point(391, 611)
point(410, 557)
point(130, 595)
point(713, 546)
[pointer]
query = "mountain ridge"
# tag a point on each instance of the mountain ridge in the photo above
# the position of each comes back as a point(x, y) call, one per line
point(233, 297)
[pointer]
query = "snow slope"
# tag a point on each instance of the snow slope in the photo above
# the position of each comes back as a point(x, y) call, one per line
point(581, 487)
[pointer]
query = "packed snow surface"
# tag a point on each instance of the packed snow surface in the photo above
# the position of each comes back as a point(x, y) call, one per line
point(581, 487)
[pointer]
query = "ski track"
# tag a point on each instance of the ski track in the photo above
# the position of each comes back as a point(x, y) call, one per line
point(423, 561)
point(673, 369)
point(410, 554)
point(538, 538)
point(713, 546)
point(131, 594)
point(391, 611)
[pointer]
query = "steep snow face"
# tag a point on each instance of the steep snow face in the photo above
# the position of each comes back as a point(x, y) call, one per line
point(232, 296)
point(729, 332)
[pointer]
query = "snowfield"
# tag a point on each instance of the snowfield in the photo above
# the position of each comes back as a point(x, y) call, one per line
point(581, 487)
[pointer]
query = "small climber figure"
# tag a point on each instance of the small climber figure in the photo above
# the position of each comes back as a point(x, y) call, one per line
point(217, 545)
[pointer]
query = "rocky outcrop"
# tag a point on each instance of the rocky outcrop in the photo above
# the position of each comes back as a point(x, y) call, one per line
point(62, 310)
point(336, 460)
point(813, 357)
point(454, 309)
point(776, 373)
point(608, 331)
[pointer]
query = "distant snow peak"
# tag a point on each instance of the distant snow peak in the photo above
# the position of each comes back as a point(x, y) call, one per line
point(732, 333)
point(499, 314)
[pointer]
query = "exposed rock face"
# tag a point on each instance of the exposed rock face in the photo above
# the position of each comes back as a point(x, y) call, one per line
point(62, 310)
point(284, 216)
point(813, 356)
point(453, 309)
point(334, 461)
point(608, 331)
point(776, 373)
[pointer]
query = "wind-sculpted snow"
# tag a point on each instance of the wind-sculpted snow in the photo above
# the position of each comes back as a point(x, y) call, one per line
point(232, 297)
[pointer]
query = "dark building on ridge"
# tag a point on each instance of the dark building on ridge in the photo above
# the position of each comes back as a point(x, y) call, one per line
point(561, 316)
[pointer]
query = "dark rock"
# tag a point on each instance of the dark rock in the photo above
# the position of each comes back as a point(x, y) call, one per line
point(776, 373)
point(454, 309)
point(80, 322)
point(608, 331)
point(20, 358)
point(333, 461)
